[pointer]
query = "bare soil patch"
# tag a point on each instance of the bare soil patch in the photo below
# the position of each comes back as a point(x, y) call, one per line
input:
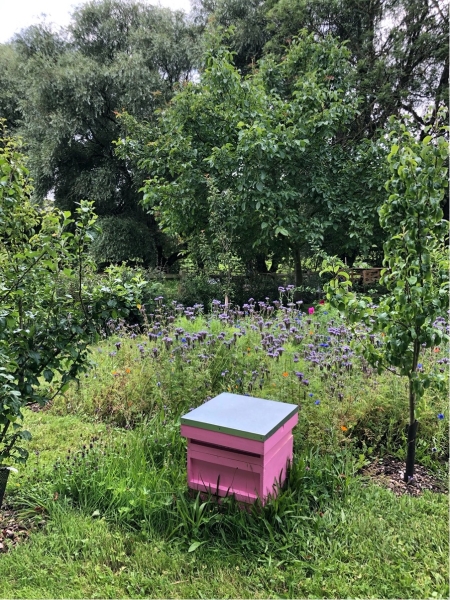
point(388, 472)
point(14, 529)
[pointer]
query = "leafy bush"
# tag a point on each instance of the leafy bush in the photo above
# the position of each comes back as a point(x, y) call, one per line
point(48, 314)
point(200, 288)
point(123, 239)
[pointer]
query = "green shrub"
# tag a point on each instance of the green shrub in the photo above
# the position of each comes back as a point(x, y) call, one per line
point(199, 288)
point(123, 239)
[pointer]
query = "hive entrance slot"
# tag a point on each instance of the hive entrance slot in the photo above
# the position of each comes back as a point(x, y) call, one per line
point(227, 448)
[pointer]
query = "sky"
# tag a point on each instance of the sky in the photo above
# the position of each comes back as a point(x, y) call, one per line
point(19, 14)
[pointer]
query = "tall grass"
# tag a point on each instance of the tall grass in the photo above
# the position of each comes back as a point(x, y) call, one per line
point(182, 358)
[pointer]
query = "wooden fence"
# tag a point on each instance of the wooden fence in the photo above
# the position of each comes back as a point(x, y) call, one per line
point(365, 277)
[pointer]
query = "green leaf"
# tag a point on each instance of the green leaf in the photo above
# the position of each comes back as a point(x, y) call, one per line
point(193, 547)
point(25, 435)
point(48, 375)
point(281, 231)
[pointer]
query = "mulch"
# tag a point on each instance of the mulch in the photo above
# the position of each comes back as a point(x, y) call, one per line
point(388, 472)
point(15, 529)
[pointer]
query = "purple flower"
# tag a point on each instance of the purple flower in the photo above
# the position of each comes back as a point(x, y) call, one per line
point(440, 416)
point(317, 402)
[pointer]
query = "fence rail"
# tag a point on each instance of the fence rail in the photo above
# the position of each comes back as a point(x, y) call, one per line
point(363, 276)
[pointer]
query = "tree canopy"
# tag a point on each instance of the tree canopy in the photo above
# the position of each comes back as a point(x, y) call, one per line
point(114, 55)
point(399, 47)
point(287, 127)
point(269, 141)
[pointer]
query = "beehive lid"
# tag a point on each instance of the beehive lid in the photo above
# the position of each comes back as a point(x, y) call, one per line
point(243, 416)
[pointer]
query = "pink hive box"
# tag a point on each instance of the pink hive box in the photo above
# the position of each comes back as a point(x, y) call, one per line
point(239, 445)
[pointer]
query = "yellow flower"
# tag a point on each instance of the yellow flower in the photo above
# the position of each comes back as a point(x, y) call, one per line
point(127, 370)
point(285, 374)
point(139, 306)
point(344, 428)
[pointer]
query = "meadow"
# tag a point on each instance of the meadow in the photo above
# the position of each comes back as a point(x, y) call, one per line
point(104, 491)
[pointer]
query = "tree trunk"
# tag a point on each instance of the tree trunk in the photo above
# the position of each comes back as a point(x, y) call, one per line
point(298, 273)
point(410, 457)
point(412, 428)
point(261, 266)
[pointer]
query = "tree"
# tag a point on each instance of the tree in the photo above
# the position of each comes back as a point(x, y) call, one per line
point(270, 140)
point(114, 55)
point(416, 269)
point(399, 47)
point(48, 315)
point(248, 27)
point(10, 86)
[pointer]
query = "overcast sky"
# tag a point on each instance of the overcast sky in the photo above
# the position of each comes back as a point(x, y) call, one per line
point(18, 14)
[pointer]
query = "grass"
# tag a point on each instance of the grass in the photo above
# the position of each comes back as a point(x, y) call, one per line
point(108, 469)
point(370, 544)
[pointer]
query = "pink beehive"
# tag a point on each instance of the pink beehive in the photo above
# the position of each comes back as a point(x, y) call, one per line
point(239, 445)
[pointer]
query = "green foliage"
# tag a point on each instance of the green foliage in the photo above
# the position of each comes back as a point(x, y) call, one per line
point(48, 317)
point(400, 50)
point(123, 239)
point(114, 54)
point(372, 544)
point(10, 86)
point(267, 145)
point(416, 270)
point(200, 288)
point(417, 285)
point(121, 521)
point(178, 361)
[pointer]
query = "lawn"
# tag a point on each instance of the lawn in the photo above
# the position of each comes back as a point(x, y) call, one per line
point(105, 484)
